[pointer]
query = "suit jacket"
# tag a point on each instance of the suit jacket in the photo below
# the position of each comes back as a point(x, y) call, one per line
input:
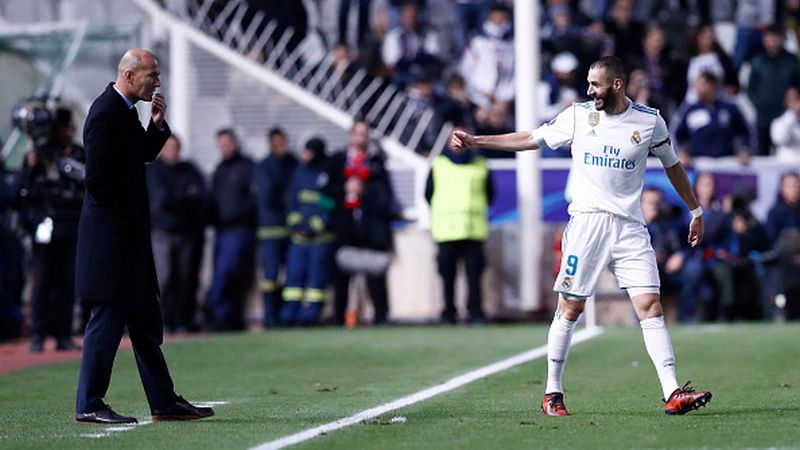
point(114, 263)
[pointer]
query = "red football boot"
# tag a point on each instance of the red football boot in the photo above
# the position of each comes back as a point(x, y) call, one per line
point(685, 399)
point(553, 404)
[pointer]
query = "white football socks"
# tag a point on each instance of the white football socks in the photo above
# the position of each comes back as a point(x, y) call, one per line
point(659, 347)
point(558, 340)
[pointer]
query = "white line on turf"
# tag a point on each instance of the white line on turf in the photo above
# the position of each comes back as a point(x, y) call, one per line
point(447, 386)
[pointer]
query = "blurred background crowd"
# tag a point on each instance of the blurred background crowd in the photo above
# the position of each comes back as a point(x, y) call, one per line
point(313, 224)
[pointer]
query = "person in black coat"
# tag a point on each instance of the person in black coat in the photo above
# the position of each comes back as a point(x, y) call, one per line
point(177, 208)
point(365, 206)
point(233, 215)
point(115, 275)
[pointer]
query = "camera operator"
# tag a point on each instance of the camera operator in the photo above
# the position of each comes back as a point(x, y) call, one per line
point(12, 278)
point(51, 198)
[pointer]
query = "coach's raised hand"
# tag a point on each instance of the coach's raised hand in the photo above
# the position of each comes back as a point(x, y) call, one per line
point(460, 140)
point(159, 109)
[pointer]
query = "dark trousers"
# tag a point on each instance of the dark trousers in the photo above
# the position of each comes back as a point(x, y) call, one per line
point(177, 259)
point(272, 255)
point(101, 341)
point(12, 281)
point(53, 295)
point(233, 275)
point(308, 266)
point(378, 293)
point(471, 253)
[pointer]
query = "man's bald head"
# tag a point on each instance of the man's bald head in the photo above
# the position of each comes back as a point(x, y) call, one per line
point(133, 59)
point(138, 74)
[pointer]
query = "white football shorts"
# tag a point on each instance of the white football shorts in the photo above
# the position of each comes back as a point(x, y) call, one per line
point(593, 241)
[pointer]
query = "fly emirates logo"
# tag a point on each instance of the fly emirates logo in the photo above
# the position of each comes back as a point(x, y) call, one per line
point(610, 159)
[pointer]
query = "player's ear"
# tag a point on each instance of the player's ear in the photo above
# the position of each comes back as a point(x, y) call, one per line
point(618, 84)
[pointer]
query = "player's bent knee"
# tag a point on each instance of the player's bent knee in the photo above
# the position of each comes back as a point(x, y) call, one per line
point(571, 306)
point(647, 305)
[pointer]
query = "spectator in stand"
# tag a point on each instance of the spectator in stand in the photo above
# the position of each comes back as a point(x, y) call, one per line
point(409, 43)
point(470, 15)
point(785, 213)
point(370, 57)
point(785, 129)
point(559, 33)
point(626, 31)
point(774, 71)
point(736, 275)
point(783, 226)
point(421, 96)
point(459, 190)
point(560, 87)
point(752, 17)
point(698, 297)
point(488, 63)
point(177, 206)
point(711, 126)
point(395, 12)
point(665, 236)
point(661, 74)
point(362, 26)
point(706, 55)
point(310, 252)
point(271, 178)
point(364, 209)
point(457, 107)
point(233, 214)
point(792, 18)
point(495, 120)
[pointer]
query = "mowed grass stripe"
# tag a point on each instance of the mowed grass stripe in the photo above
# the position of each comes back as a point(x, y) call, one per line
point(277, 383)
point(447, 386)
point(613, 395)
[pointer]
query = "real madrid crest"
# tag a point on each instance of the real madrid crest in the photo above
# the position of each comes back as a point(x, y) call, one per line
point(636, 138)
point(594, 118)
point(566, 282)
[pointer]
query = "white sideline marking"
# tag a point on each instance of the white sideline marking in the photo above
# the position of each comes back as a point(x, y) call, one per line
point(447, 386)
point(118, 429)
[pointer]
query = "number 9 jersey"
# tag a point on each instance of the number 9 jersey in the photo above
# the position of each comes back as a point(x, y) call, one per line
point(607, 228)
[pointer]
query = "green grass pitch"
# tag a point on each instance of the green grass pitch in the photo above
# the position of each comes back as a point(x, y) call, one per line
point(280, 383)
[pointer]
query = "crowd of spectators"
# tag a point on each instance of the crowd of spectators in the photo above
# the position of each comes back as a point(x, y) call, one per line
point(461, 62)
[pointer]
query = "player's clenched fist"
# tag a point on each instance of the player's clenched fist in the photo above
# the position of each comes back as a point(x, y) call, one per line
point(461, 140)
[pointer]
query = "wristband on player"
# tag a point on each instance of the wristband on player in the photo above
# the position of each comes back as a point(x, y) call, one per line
point(697, 212)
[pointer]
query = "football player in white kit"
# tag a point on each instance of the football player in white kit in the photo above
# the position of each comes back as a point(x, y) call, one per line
point(611, 137)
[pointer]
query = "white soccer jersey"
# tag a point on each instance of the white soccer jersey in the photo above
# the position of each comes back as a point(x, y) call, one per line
point(609, 154)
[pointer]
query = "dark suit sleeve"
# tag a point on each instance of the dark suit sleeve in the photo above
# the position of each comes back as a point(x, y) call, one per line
point(155, 140)
point(101, 161)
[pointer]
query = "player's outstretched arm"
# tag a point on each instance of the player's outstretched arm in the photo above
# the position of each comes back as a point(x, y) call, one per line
point(513, 142)
point(677, 176)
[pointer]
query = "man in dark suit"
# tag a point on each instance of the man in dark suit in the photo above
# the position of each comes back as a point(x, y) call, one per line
point(115, 275)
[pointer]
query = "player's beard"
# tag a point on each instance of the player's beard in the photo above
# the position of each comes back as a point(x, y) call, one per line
point(608, 101)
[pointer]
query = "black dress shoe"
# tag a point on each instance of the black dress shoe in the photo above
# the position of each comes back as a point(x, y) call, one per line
point(66, 345)
point(182, 410)
point(104, 415)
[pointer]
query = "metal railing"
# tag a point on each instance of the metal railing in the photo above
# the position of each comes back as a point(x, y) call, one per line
point(344, 86)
